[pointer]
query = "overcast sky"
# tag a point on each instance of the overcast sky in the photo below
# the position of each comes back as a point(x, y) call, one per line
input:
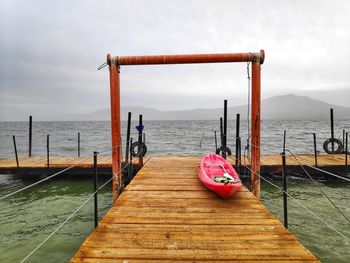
point(50, 52)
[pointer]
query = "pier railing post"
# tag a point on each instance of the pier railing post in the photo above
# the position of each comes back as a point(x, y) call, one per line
point(225, 129)
point(216, 140)
point(221, 134)
point(128, 138)
point(30, 136)
point(15, 146)
point(78, 144)
point(332, 129)
point(315, 148)
point(237, 138)
point(131, 167)
point(346, 148)
point(239, 153)
point(95, 190)
point(285, 200)
point(48, 150)
point(140, 141)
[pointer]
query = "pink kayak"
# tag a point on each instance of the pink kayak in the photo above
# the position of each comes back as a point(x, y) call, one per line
point(218, 175)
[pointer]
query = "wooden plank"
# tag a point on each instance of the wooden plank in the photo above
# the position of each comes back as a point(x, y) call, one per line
point(165, 162)
point(196, 254)
point(109, 260)
point(176, 219)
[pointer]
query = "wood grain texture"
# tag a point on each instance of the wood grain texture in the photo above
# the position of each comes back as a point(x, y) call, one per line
point(106, 161)
point(167, 215)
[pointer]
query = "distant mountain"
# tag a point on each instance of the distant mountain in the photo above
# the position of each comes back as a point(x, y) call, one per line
point(286, 107)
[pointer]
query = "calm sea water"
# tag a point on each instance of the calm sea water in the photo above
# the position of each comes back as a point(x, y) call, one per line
point(28, 217)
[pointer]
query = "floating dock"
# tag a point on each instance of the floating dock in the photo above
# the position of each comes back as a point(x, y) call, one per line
point(271, 165)
point(166, 214)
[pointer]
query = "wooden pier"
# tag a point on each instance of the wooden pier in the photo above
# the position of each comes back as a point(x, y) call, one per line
point(166, 214)
point(270, 165)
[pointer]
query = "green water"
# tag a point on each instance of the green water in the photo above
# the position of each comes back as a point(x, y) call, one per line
point(316, 236)
point(29, 217)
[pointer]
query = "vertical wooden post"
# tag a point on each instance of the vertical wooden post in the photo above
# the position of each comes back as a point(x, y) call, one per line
point(315, 149)
point(237, 138)
point(95, 190)
point(127, 150)
point(225, 129)
point(255, 124)
point(30, 136)
point(140, 141)
point(115, 122)
point(48, 150)
point(15, 146)
point(346, 149)
point(332, 128)
point(78, 144)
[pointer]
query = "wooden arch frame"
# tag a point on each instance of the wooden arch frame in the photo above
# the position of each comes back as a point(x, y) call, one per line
point(114, 66)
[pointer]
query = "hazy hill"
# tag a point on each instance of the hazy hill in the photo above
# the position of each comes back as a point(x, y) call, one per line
point(287, 107)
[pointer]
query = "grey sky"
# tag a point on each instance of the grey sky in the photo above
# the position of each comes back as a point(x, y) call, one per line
point(50, 51)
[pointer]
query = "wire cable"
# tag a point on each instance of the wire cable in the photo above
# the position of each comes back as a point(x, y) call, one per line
point(310, 166)
point(67, 219)
point(321, 189)
point(303, 206)
point(51, 176)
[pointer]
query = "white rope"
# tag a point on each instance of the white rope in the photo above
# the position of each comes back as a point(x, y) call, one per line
point(68, 218)
point(310, 166)
point(43, 180)
point(307, 209)
point(53, 175)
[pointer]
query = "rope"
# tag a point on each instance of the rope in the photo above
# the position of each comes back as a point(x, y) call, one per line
point(321, 189)
point(310, 166)
point(51, 176)
point(307, 209)
point(67, 219)
point(102, 66)
point(43, 180)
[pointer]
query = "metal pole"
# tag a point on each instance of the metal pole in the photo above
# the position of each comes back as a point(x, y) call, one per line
point(221, 133)
point(332, 129)
point(140, 141)
point(189, 58)
point(78, 144)
point(285, 201)
point(128, 138)
point(30, 136)
point(255, 124)
point(115, 125)
point(131, 167)
point(216, 141)
point(48, 150)
point(225, 129)
point(239, 155)
point(95, 189)
point(237, 137)
point(343, 138)
point(346, 148)
point(14, 145)
point(315, 149)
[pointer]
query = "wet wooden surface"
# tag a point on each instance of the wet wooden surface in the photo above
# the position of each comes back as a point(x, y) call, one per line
point(166, 214)
point(266, 160)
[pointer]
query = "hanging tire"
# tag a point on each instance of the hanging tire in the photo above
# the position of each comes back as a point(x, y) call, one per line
point(222, 149)
point(338, 146)
point(138, 149)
